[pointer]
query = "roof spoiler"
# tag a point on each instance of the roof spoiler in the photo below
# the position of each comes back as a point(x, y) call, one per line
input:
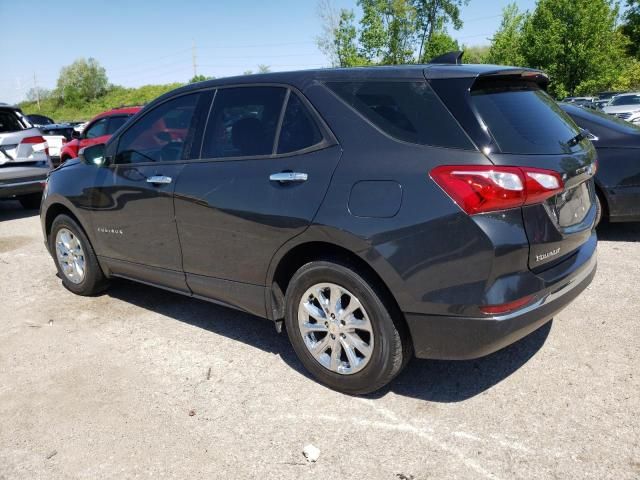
point(451, 58)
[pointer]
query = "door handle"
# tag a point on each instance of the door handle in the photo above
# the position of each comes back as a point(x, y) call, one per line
point(288, 177)
point(159, 179)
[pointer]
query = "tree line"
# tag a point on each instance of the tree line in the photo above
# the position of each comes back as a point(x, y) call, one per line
point(584, 45)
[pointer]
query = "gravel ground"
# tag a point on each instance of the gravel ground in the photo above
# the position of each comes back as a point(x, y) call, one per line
point(143, 383)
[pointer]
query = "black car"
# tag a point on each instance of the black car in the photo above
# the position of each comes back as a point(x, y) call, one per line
point(618, 176)
point(441, 210)
point(39, 120)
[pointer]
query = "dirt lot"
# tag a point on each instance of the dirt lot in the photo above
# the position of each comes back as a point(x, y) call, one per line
point(143, 383)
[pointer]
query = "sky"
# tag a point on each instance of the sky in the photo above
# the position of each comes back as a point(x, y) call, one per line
point(151, 42)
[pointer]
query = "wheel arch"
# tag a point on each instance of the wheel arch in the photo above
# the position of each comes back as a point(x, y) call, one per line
point(288, 262)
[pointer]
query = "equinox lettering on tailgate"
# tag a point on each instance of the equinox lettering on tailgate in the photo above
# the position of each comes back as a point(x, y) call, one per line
point(543, 256)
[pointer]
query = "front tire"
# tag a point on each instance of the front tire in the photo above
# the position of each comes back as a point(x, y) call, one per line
point(342, 330)
point(74, 257)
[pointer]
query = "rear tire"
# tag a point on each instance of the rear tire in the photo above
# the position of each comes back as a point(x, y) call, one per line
point(74, 257)
point(371, 343)
point(31, 202)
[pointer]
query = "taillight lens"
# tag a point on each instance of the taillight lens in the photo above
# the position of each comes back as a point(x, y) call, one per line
point(480, 188)
point(35, 140)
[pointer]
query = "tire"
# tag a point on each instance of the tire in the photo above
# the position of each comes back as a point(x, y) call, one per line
point(93, 280)
point(391, 346)
point(31, 202)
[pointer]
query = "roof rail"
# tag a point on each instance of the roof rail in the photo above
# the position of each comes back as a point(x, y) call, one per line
point(453, 58)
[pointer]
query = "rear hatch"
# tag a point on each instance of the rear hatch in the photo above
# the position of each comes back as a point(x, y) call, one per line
point(516, 123)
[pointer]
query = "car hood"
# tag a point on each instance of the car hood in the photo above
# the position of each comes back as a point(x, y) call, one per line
point(621, 108)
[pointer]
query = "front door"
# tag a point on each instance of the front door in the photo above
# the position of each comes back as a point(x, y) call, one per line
point(251, 190)
point(132, 204)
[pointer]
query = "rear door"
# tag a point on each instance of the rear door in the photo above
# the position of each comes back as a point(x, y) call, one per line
point(95, 133)
point(523, 126)
point(265, 166)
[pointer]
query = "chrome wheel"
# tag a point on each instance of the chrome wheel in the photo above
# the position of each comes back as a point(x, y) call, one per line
point(70, 255)
point(335, 328)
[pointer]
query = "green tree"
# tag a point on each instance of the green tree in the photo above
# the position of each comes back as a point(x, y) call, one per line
point(82, 81)
point(476, 53)
point(264, 68)
point(439, 43)
point(200, 78)
point(576, 42)
point(631, 27)
point(346, 44)
point(387, 33)
point(506, 44)
point(432, 16)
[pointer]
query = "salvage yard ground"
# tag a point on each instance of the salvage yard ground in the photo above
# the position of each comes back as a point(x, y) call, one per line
point(143, 383)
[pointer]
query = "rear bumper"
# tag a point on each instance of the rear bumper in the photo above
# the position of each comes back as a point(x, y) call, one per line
point(461, 338)
point(17, 181)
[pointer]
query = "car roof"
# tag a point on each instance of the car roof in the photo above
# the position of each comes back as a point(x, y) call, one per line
point(118, 111)
point(303, 78)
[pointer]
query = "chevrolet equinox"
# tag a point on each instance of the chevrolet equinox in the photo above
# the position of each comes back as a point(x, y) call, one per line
point(442, 210)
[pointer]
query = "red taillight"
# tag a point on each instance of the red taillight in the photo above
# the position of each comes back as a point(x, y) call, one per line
point(480, 188)
point(36, 140)
point(506, 307)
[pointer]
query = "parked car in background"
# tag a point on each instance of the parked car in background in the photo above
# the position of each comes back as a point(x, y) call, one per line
point(98, 130)
point(445, 210)
point(582, 101)
point(64, 129)
point(625, 106)
point(603, 98)
point(39, 120)
point(24, 158)
point(57, 135)
point(618, 176)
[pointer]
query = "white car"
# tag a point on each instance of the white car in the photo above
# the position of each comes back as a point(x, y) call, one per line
point(625, 106)
point(24, 158)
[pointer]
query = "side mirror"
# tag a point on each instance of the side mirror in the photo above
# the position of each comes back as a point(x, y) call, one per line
point(93, 155)
point(75, 134)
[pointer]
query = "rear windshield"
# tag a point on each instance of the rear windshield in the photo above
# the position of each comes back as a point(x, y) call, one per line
point(408, 111)
point(9, 122)
point(523, 119)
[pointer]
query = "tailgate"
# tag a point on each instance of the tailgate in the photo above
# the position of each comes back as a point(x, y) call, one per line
point(515, 122)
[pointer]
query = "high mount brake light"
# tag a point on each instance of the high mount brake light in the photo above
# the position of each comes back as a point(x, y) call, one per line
point(480, 188)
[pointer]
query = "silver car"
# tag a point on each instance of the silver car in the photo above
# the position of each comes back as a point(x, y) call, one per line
point(625, 106)
point(24, 158)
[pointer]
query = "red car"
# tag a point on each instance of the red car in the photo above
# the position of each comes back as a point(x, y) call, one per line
point(98, 130)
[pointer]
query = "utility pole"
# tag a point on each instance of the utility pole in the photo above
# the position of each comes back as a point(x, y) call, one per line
point(36, 89)
point(193, 59)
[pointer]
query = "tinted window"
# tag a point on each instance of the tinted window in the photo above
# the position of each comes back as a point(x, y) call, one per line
point(408, 111)
point(115, 123)
point(39, 120)
point(9, 122)
point(98, 129)
point(299, 130)
point(157, 136)
point(243, 122)
point(524, 119)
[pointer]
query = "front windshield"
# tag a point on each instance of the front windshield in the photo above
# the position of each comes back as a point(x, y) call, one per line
point(626, 100)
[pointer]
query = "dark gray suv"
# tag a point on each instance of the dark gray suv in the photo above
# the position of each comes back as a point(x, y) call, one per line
point(438, 210)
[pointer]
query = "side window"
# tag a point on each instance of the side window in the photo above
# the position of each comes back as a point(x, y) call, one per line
point(408, 111)
point(299, 130)
point(160, 135)
point(98, 129)
point(243, 122)
point(115, 123)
